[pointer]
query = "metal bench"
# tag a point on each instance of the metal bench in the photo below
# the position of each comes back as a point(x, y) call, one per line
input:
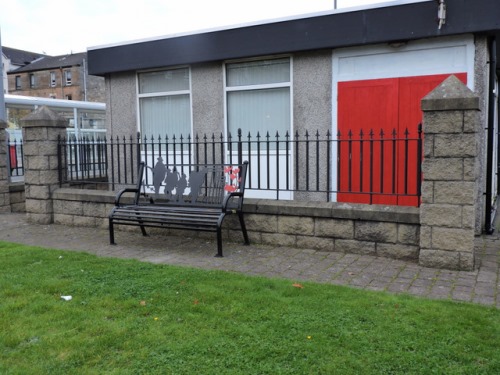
point(196, 197)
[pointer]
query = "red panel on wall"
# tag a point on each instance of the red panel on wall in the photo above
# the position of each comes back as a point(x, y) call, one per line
point(381, 110)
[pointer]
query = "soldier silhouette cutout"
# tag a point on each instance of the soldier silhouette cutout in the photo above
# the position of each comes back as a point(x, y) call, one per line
point(170, 182)
point(159, 171)
point(182, 184)
point(196, 179)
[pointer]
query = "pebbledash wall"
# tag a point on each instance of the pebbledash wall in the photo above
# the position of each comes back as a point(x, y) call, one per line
point(440, 233)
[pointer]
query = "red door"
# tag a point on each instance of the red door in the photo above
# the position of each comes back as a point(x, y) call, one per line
point(386, 111)
point(363, 106)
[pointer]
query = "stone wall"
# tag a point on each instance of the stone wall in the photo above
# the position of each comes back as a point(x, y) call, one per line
point(440, 233)
point(348, 228)
point(4, 179)
point(17, 197)
point(451, 170)
point(41, 130)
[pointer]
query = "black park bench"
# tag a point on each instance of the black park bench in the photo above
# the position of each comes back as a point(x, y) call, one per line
point(195, 197)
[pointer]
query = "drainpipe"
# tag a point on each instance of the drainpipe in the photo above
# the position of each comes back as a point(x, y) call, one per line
point(2, 96)
point(84, 80)
point(62, 82)
point(490, 209)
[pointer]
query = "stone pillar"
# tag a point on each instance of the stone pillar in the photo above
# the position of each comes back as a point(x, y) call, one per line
point(450, 176)
point(41, 169)
point(4, 174)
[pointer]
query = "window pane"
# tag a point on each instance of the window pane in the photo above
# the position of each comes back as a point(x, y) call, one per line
point(164, 81)
point(165, 115)
point(258, 72)
point(259, 111)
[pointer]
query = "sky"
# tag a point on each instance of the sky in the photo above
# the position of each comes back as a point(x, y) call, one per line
point(58, 27)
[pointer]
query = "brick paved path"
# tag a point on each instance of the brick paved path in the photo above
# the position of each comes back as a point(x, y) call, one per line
point(359, 271)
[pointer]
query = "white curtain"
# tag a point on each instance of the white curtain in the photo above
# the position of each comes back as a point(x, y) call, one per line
point(258, 72)
point(259, 111)
point(164, 103)
point(164, 81)
point(165, 115)
point(258, 97)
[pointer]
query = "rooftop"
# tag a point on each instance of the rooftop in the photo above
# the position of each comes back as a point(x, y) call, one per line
point(393, 22)
point(20, 57)
point(52, 62)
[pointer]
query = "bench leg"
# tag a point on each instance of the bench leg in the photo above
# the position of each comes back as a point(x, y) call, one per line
point(143, 229)
point(219, 243)
point(243, 228)
point(111, 232)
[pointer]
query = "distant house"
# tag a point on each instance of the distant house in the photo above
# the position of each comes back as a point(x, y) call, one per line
point(360, 70)
point(57, 77)
point(13, 59)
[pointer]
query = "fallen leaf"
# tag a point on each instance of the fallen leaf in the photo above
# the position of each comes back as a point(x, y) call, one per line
point(297, 285)
point(196, 302)
point(143, 303)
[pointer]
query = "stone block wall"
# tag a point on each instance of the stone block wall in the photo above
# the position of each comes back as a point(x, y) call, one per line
point(440, 233)
point(41, 130)
point(4, 179)
point(451, 170)
point(17, 197)
point(82, 207)
point(348, 228)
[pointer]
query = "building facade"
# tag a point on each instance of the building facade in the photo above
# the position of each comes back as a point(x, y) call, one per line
point(363, 70)
point(57, 77)
point(13, 59)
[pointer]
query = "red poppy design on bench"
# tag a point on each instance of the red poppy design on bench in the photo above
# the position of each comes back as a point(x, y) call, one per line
point(232, 179)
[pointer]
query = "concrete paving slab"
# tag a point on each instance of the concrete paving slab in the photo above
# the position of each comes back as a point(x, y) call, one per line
point(368, 272)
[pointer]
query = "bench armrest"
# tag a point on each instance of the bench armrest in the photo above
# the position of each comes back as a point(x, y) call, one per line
point(227, 199)
point(126, 190)
point(136, 190)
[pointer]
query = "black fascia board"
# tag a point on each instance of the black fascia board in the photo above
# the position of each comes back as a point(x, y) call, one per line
point(369, 26)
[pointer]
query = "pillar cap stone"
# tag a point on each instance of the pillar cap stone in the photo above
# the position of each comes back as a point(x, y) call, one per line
point(44, 116)
point(450, 95)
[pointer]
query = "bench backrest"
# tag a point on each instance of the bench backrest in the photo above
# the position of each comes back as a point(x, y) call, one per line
point(195, 184)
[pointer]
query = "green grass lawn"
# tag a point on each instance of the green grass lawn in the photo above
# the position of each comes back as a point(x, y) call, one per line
point(127, 317)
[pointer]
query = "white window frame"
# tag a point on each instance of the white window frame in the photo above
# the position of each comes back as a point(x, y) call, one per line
point(32, 80)
point(164, 93)
point(288, 84)
point(52, 79)
point(257, 193)
point(151, 157)
point(67, 77)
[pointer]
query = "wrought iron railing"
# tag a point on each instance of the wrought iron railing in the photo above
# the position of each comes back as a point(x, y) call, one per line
point(365, 168)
